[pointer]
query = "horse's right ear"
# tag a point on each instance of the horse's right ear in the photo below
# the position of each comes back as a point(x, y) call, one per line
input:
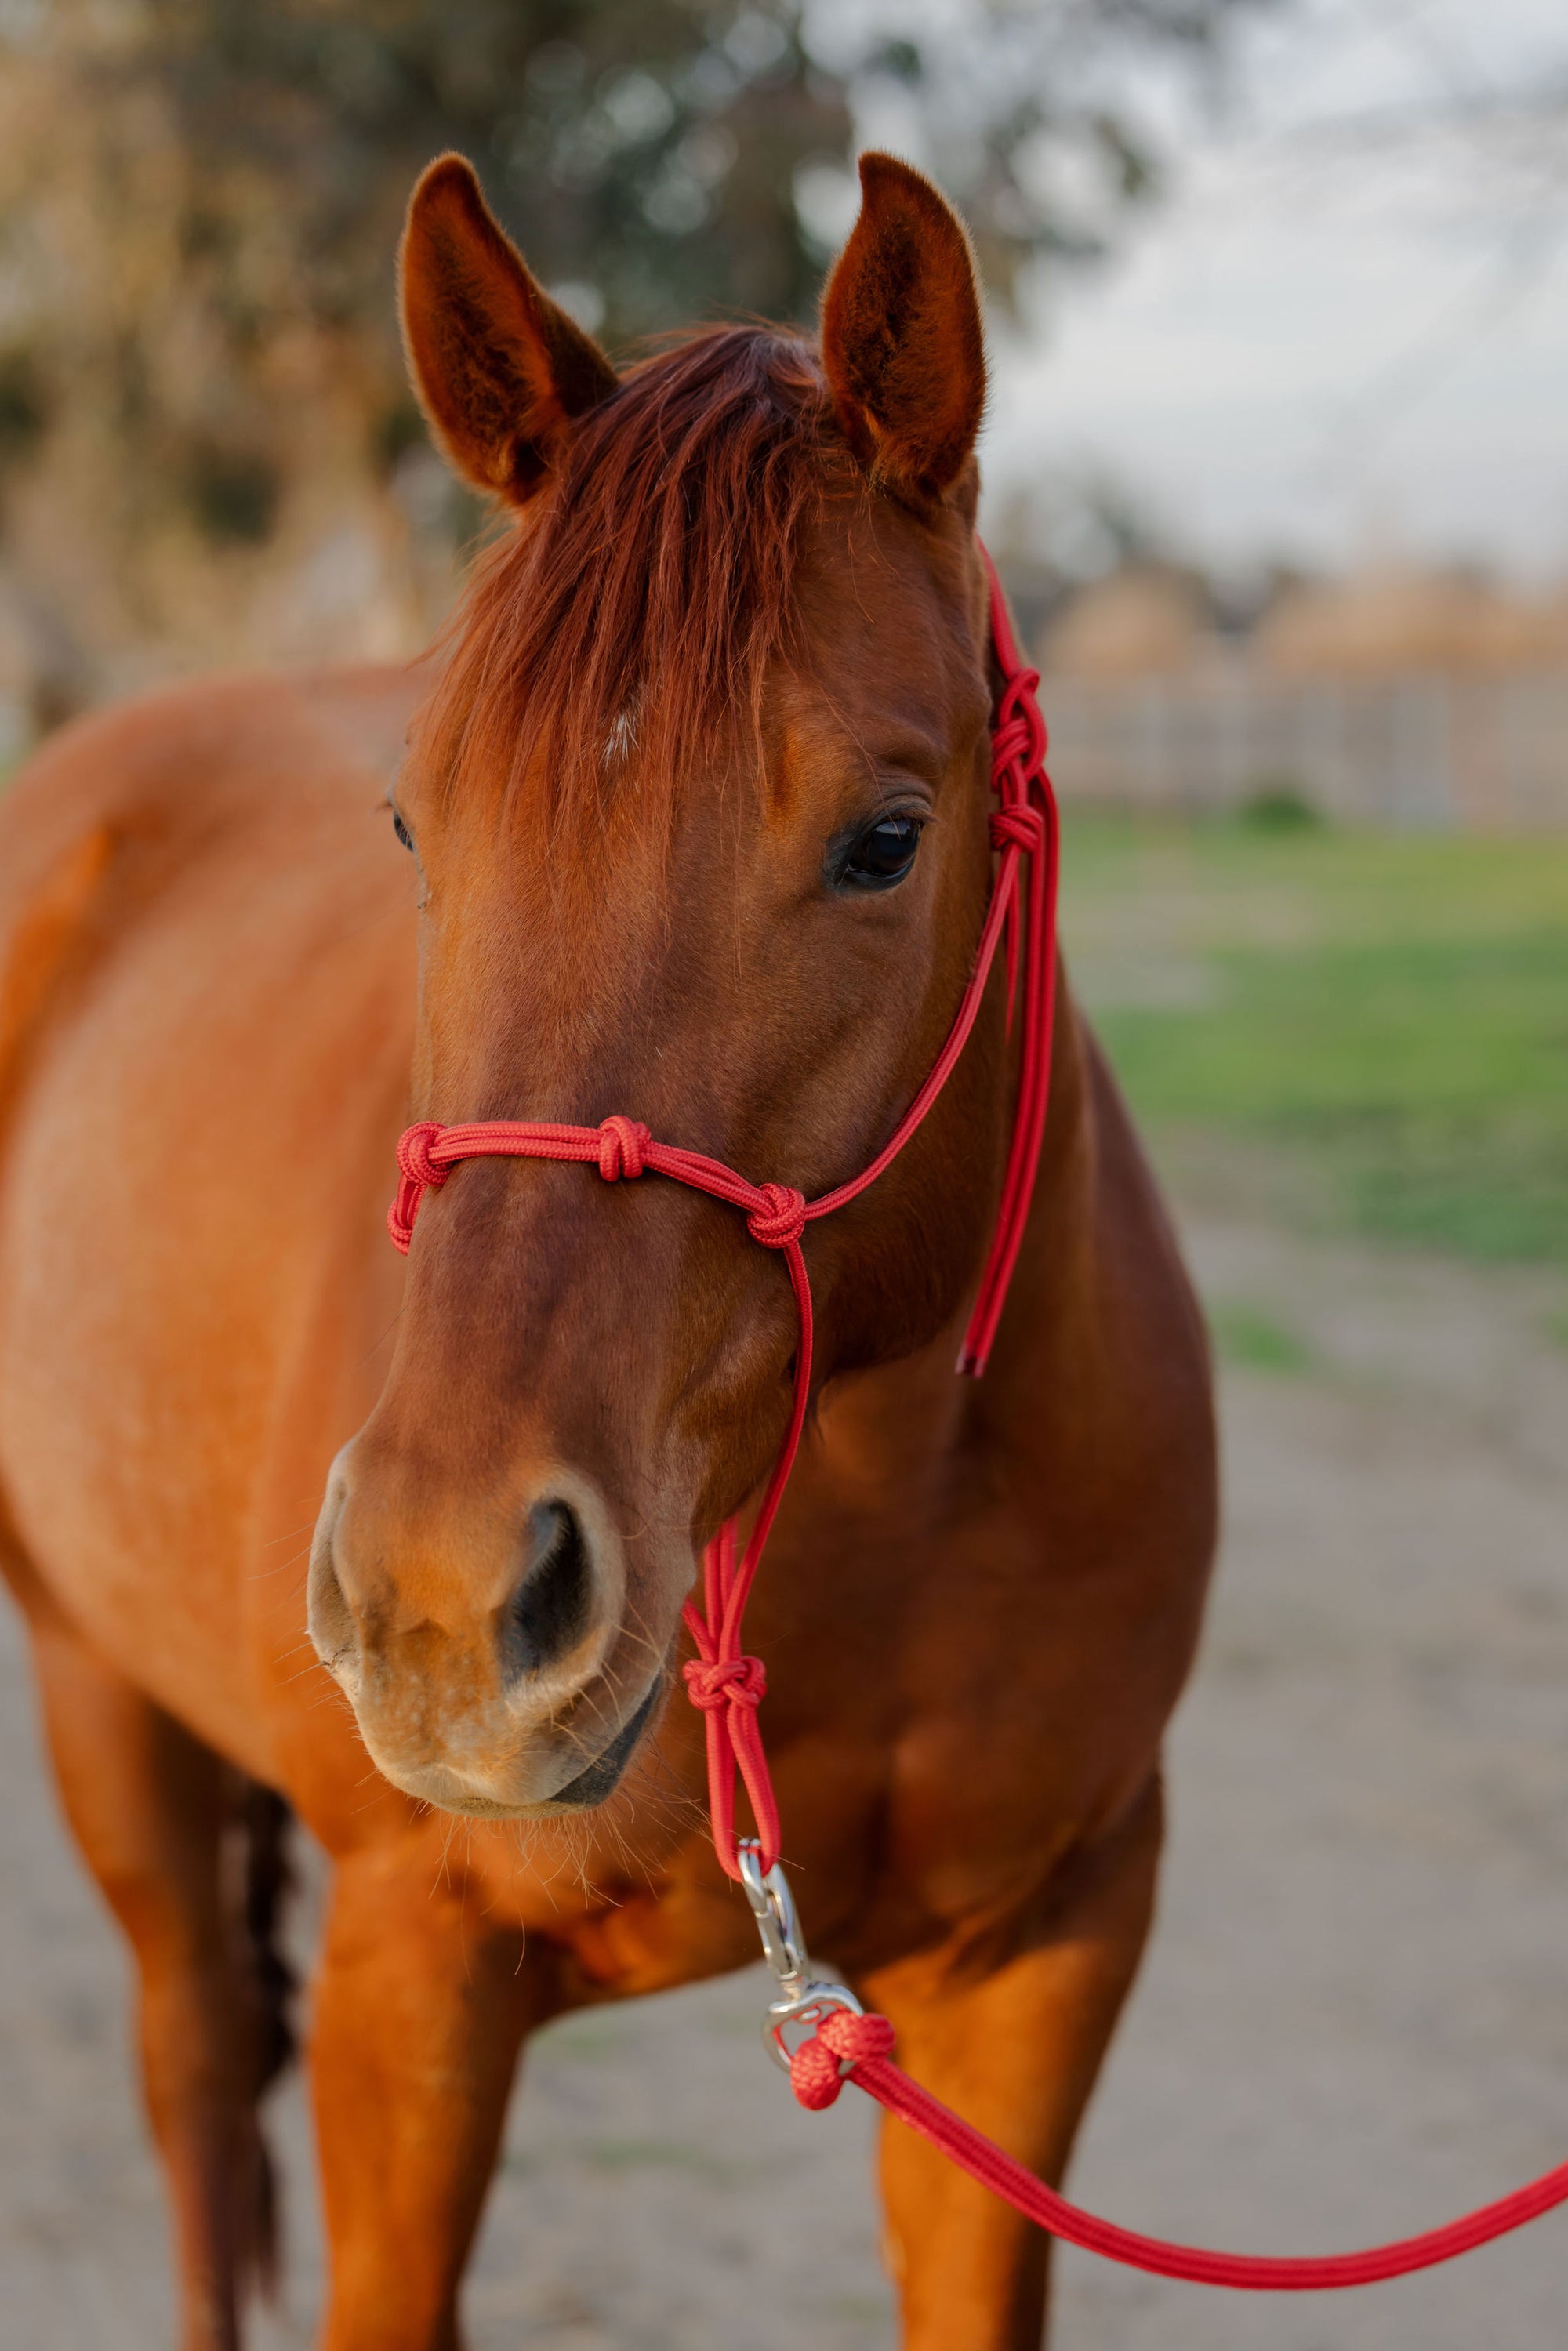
point(500, 370)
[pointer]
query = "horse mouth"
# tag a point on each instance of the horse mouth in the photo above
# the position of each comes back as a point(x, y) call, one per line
point(451, 1787)
point(598, 1779)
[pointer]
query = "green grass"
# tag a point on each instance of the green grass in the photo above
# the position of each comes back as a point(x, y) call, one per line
point(1256, 1340)
point(1383, 1017)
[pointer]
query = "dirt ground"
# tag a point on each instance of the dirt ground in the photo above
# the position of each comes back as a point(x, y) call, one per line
point(1353, 2020)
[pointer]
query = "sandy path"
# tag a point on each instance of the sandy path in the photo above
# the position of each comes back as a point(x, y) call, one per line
point(1354, 2020)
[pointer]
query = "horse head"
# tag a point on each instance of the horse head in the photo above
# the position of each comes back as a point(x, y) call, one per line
point(699, 808)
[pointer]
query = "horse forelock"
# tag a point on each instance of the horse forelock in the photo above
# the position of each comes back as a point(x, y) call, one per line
point(620, 634)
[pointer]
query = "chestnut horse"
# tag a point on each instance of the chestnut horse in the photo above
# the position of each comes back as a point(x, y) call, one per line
point(696, 801)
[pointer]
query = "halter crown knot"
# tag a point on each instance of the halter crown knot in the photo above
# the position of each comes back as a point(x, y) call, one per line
point(413, 1153)
point(1019, 826)
point(730, 1681)
point(1020, 726)
point(782, 1218)
point(622, 1146)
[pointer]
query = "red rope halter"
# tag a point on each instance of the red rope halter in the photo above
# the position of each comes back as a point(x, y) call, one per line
point(726, 1683)
point(722, 1679)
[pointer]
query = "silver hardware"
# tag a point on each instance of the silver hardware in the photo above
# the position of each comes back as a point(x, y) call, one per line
point(817, 2000)
point(773, 1908)
point(802, 1998)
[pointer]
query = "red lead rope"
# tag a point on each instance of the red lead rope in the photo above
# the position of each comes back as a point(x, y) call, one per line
point(726, 1683)
point(860, 2047)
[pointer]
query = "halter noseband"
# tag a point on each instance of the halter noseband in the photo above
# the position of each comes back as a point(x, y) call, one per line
point(722, 1680)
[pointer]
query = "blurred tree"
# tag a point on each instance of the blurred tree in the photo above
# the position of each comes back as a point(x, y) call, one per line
point(206, 449)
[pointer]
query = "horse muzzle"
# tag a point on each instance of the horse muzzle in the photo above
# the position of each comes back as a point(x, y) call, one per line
point(489, 1663)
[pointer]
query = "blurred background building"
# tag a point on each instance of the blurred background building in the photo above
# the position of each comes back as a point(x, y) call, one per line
point(1395, 694)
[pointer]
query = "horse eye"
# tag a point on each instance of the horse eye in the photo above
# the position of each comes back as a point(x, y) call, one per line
point(402, 830)
point(882, 854)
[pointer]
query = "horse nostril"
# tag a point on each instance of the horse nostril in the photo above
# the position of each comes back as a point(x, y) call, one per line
point(550, 1609)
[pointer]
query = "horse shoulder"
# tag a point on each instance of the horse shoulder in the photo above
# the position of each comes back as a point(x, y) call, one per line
point(205, 958)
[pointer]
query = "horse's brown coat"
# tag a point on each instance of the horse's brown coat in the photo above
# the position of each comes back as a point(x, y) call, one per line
point(980, 1600)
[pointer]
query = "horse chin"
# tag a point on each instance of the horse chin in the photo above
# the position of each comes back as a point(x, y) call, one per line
point(599, 1780)
point(452, 1790)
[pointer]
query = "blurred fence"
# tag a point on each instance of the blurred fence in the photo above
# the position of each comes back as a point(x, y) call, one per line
point(1487, 754)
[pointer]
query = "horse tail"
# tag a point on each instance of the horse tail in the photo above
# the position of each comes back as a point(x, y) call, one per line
point(266, 1880)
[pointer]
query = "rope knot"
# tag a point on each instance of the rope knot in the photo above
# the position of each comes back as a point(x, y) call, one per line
point(413, 1157)
point(781, 1220)
point(622, 1146)
point(730, 1681)
point(841, 2039)
point(852, 2037)
point(1020, 826)
point(1020, 731)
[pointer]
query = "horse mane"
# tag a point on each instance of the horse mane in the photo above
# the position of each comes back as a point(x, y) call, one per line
point(639, 602)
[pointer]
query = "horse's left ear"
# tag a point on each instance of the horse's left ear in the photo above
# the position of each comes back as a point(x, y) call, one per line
point(500, 370)
point(902, 342)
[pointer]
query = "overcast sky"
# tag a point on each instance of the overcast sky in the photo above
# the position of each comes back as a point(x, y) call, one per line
point(1346, 330)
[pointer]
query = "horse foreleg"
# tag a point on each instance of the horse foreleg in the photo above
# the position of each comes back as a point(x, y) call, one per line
point(149, 1804)
point(1014, 2051)
point(421, 2008)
